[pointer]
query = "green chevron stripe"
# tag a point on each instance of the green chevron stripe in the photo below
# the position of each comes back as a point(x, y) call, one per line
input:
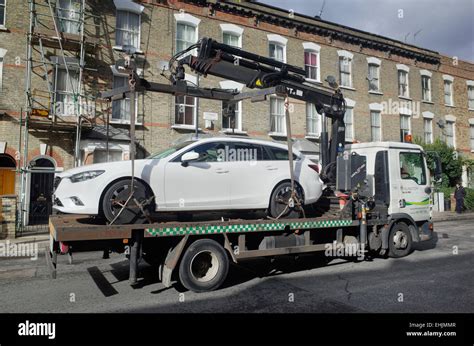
point(426, 201)
point(242, 228)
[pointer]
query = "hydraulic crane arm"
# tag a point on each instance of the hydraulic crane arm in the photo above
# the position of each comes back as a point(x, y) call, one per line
point(258, 72)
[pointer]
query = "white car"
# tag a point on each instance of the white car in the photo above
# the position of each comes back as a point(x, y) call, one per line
point(217, 173)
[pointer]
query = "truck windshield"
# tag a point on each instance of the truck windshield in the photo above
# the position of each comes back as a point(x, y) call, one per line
point(167, 152)
point(412, 167)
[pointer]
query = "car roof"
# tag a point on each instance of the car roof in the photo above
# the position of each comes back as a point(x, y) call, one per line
point(243, 139)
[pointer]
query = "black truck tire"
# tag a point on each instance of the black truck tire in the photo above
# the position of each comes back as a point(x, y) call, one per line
point(399, 241)
point(204, 266)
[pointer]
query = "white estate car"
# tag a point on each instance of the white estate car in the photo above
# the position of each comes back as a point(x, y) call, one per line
point(217, 173)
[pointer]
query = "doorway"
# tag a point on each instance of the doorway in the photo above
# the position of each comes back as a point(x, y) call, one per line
point(7, 175)
point(41, 190)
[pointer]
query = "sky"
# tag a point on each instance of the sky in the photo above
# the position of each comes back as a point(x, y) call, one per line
point(447, 26)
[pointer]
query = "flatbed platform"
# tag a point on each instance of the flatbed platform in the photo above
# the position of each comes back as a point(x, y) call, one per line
point(79, 227)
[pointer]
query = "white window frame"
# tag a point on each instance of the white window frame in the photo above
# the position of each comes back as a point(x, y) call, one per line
point(428, 116)
point(315, 116)
point(132, 7)
point(273, 132)
point(374, 62)
point(345, 56)
point(117, 73)
point(193, 80)
point(350, 105)
point(187, 19)
point(376, 108)
point(471, 133)
point(232, 29)
point(427, 74)
point(3, 52)
point(448, 79)
point(407, 113)
point(313, 48)
point(4, 24)
point(279, 41)
point(470, 85)
point(451, 119)
point(405, 69)
point(229, 84)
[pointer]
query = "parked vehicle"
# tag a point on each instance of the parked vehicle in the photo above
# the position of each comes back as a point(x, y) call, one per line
point(219, 173)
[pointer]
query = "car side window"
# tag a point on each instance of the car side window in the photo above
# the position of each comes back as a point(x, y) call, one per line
point(208, 152)
point(279, 154)
point(248, 152)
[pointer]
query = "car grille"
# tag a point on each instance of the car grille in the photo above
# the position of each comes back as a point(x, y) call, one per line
point(57, 180)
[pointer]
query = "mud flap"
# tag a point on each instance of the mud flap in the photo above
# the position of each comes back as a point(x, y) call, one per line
point(171, 261)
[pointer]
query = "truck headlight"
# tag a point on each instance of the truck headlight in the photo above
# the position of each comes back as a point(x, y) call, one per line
point(76, 178)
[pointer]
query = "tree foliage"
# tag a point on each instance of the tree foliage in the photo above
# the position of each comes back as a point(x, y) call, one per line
point(450, 161)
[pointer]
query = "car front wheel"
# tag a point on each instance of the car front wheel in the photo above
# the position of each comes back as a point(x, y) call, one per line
point(115, 199)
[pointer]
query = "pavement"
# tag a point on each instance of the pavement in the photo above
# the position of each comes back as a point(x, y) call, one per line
point(437, 277)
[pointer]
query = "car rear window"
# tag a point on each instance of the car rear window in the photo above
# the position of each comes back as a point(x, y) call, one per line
point(280, 154)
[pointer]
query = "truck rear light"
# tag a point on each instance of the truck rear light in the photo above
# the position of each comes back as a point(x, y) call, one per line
point(314, 167)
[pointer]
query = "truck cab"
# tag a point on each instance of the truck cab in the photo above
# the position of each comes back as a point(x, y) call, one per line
point(399, 177)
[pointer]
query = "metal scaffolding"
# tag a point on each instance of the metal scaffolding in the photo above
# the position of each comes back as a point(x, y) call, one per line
point(58, 39)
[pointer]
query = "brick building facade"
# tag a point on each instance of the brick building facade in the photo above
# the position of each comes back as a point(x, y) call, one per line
point(392, 88)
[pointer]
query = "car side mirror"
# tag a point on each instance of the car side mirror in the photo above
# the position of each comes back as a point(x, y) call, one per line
point(188, 157)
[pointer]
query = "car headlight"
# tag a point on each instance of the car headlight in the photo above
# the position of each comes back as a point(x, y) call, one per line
point(76, 178)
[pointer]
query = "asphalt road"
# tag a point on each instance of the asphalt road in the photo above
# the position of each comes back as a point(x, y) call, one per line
point(431, 279)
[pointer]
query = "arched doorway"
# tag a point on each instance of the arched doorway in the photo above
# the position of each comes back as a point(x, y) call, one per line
point(41, 190)
point(7, 174)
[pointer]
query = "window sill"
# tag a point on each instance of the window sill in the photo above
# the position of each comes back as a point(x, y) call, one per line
point(450, 106)
point(120, 49)
point(235, 132)
point(429, 102)
point(375, 92)
point(316, 81)
point(312, 136)
point(471, 109)
point(3, 28)
point(347, 88)
point(277, 134)
point(123, 122)
point(405, 98)
point(185, 127)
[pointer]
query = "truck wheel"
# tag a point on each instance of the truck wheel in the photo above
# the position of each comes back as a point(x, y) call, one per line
point(279, 201)
point(399, 241)
point(115, 197)
point(204, 266)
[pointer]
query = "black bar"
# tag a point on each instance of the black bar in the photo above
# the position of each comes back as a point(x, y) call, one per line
point(135, 252)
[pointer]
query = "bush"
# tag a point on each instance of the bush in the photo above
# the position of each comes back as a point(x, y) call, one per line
point(469, 200)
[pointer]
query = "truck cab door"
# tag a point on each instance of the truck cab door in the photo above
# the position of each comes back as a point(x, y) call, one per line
point(414, 186)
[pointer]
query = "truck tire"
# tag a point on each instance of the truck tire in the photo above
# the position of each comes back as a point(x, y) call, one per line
point(118, 193)
point(204, 266)
point(399, 241)
point(280, 195)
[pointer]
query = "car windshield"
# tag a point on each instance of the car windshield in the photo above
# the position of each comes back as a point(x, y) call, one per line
point(168, 151)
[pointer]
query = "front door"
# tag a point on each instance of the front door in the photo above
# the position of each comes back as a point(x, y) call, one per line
point(203, 184)
point(41, 192)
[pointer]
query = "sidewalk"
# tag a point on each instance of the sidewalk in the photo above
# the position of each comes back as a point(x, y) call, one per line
point(452, 216)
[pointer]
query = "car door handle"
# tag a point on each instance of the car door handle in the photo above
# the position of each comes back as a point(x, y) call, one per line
point(271, 168)
point(221, 171)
